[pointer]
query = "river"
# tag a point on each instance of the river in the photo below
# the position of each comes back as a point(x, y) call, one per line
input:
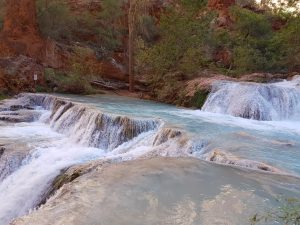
point(248, 133)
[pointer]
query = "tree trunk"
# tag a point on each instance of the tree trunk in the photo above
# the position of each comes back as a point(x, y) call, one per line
point(131, 25)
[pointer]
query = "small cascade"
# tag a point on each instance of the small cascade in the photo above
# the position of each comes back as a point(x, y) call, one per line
point(89, 126)
point(62, 134)
point(274, 101)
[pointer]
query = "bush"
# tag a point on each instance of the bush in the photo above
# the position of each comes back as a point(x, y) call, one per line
point(199, 99)
point(55, 20)
point(111, 26)
point(287, 214)
point(72, 82)
point(3, 96)
point(286, 43)
point(181, 49)
point(251, 41)
point(248, 23)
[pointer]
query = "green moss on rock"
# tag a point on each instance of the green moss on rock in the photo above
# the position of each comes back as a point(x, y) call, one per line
point(199, 99)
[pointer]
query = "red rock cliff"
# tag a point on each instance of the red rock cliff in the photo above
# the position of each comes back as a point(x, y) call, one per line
point(20, 35)
point(222, 7)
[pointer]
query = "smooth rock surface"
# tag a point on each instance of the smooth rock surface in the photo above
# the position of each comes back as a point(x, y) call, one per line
point(160, 191)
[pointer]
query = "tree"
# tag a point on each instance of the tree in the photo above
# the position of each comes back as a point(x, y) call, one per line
point(137, 8)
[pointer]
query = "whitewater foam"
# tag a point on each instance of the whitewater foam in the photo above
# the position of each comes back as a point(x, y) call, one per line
point(274, 101)
point(74, 133)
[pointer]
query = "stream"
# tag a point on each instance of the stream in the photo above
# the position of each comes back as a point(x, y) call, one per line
point(246, 137)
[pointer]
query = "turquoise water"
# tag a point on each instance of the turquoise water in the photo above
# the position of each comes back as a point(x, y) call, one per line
point(61, 139)
point(276, 143)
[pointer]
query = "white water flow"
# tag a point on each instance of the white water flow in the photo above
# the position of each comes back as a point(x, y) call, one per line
point(65, 135)
point(278, 101)
point(117, 128)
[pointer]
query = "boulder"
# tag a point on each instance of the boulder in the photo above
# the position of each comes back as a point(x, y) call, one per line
point(17, 74)
point(222, 7)
point(20, 36)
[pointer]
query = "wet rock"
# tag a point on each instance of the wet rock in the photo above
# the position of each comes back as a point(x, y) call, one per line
point(11, 157)
point(218, 156)
point(19, 116)
point(2, 149)
point(165, 135)
point(133, 193)
point(70, 174)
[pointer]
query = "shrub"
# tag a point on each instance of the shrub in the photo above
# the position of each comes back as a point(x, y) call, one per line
point(199, 99)
point(71, 82)
point(286, 43)
point(287, 214)
point(55, 20)
point(180, 48)
point(3, 96)
point(251, 37)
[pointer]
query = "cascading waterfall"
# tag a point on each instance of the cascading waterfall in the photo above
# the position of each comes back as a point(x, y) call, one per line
point(255, 101)
point(89, 126)
point(86, 134)
point(61, 134)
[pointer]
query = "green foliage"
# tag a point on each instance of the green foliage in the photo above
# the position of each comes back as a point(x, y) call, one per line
point(41, 89)
point(251, 41)
point(188, 43)
point(147, 28)
point(287, 214)
point(55, 19)
point(71, 82)
point(286, 43)
point(199, 99)
point(3, 96)
point(247, 59)
point(181, 46)
point(248, 23)
point(111, 26)
point(101, 30)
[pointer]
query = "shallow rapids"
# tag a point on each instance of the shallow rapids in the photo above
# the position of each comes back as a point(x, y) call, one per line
point(43, 135)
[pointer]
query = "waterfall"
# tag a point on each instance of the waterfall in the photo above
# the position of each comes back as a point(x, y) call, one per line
point(274, 101)
point(61, 134)
point(81, 134)
point(89, 126)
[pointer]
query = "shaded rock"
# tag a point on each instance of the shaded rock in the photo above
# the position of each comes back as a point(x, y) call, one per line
point(222, 7)
point(206, 79)
point(20, 35)
point(204, 82)
point(262, 77)
point(17, 74)
point(223, 56)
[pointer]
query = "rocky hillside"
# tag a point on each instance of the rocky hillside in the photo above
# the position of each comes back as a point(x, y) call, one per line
point(180, 46)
